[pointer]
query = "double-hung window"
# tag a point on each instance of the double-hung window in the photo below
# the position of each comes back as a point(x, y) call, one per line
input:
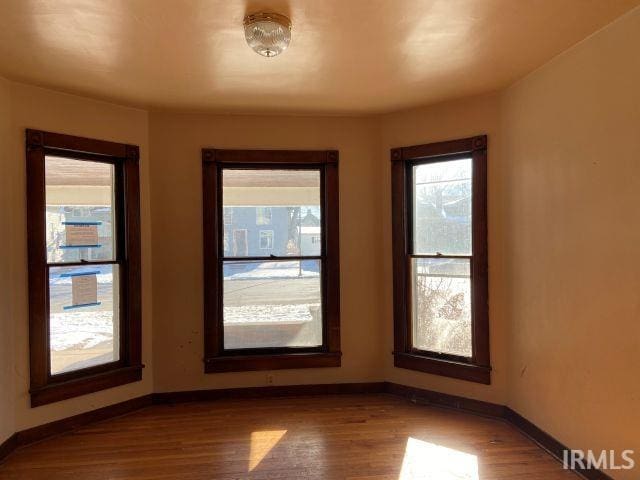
point(271, 294)
point(439, 194)
point(266, 239)
point(84, 265)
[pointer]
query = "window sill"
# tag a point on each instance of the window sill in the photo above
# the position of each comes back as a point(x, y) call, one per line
point(446, 368)
point(54, 392)
point(271, 362)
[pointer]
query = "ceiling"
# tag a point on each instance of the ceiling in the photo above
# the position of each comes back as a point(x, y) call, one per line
point(346, 56)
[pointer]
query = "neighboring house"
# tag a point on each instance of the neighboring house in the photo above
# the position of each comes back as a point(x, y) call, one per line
point(255, 231)
point(265, 231)
point(56, 232)
point(310, 234)
point(260, 232)
point(310, 240)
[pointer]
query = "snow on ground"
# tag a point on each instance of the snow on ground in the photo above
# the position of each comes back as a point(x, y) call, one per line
point(80, 330)
point(103, 279)
point(87, 329)
point(255, 314)
point(271, 270)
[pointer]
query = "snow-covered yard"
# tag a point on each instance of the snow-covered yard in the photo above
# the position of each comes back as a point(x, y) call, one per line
point(272, 270)
point(80, 330)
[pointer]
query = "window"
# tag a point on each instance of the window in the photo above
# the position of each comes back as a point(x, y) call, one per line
point(228, 216)
point(84, 265)
point(266, 239)
point(240, 245)
point(277, 308)
point(263, 216)
point(440, 258)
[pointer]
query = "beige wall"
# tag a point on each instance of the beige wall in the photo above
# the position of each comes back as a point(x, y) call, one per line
point(473, 116)
point(43, 109)
point(564, 179)
point(176, 176)
point(572, 142)
point(7, 397)
point(367, 338)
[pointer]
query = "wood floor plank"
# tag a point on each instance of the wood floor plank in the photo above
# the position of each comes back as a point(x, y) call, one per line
point(351, 437)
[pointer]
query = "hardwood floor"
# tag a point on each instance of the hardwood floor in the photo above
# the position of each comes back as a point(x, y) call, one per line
point(363, 437)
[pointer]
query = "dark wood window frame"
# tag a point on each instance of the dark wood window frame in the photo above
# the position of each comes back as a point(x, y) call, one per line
point(477, 368)
point(217, 359)
point(47, 388)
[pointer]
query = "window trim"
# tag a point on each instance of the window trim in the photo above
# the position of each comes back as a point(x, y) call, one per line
point(270, 236)
point(44, 387)
point(216, 358)
point(477, 368)
point(264, 224)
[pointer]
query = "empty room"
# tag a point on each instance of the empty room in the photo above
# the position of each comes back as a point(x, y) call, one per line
point(320, 239)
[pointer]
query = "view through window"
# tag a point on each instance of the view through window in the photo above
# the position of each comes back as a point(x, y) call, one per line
point(271, 278)
point(440, 258)
point(83, 220)
point(441, 265)
point(83, 272)
point(271, 259)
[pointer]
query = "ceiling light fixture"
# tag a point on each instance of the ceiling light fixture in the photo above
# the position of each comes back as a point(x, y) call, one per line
point(268, 34)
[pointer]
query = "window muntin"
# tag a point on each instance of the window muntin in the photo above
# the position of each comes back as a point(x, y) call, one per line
point(269, 302)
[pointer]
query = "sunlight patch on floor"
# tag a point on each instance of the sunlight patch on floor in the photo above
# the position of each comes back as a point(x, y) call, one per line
point(428, 461)
point(261, 444)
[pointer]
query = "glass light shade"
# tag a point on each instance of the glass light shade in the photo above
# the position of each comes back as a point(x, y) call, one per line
point(268, 34)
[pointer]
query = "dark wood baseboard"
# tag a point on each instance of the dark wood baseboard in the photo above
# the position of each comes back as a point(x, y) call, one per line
point(8, 446)
point(429, 397)
point(493, 410)
point(57, 427)
point(549, 443)
point(417, 395)
point(41, 432)
point(269, 391)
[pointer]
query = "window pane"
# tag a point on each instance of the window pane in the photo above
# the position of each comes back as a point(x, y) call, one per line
point(272, 304)
point(79, 210)
point(288, 201)
point(83, 317)
point(266, 239)
point(441, 292)
point(442, 208)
